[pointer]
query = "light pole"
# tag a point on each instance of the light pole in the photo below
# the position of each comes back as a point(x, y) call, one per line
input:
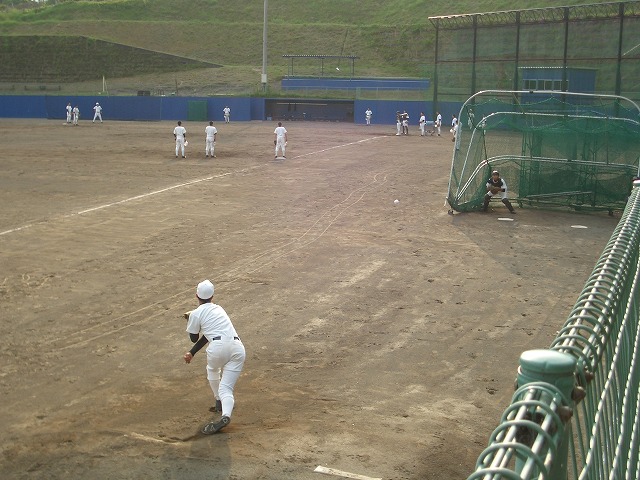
point(264, 49)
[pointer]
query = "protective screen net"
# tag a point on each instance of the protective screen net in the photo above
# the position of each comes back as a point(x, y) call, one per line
point(552, 149)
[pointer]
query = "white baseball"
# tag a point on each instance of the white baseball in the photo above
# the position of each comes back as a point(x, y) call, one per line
point(396, 201)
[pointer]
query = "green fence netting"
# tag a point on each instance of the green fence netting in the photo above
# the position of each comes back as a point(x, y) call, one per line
point(554, 149)
point(599, 420)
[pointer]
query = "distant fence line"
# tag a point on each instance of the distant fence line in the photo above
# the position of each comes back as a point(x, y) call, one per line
point(157, 108)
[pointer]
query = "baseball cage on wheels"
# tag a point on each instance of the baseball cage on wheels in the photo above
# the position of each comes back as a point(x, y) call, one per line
point(554, 149)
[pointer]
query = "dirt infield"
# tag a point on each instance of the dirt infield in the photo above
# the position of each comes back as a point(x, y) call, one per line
point(381, 339)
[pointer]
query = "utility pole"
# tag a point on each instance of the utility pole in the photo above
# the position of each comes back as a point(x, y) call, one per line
point(264, 49)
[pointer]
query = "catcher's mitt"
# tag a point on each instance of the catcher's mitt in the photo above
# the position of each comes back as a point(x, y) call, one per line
point(495, 190)
point(275, 142)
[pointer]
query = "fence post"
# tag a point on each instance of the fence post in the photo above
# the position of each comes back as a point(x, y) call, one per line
point(557, 369)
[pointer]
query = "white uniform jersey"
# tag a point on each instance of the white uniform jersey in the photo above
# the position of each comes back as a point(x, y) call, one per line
point(210, 131)
point(179, 132)
point(211, 321)
point(280, 132)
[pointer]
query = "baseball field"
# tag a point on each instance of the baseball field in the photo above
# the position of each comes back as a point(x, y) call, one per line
point(382, 339)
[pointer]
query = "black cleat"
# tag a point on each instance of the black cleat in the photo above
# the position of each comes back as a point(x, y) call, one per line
point(215, 427)
point(217, 408)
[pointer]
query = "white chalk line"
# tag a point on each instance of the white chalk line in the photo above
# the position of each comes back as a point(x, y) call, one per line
point(131, 199)
point(342, 473)
point(232, 271)
point(338, 146)
point(173, 187)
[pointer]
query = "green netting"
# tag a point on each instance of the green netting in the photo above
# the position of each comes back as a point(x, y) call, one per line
point(552, 149)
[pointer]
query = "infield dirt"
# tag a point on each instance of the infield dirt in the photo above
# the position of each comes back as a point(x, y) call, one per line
point(381, 339)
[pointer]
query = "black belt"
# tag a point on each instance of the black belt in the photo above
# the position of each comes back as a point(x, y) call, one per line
point(220, 338)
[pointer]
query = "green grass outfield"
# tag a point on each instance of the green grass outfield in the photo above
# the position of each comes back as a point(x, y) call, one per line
point(392, 38)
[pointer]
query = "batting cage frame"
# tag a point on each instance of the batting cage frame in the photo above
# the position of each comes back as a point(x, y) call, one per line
point(584, 48)
point(554, 149)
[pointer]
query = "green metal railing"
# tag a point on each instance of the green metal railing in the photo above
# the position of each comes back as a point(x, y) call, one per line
point(576, 413)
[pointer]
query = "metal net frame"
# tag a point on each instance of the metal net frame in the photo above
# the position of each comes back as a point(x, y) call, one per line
point(554, 149)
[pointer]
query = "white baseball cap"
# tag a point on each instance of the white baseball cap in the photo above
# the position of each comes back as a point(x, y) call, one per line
point(205, 290)
point(97, 103)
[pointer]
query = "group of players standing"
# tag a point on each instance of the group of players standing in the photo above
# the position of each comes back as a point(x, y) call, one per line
point(180, 136)
point(73, 113)
point(402, 123)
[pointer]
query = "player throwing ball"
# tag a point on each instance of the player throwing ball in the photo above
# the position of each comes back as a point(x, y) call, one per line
point(209, 323)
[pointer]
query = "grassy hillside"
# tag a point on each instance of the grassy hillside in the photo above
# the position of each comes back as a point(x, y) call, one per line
point(392, 38)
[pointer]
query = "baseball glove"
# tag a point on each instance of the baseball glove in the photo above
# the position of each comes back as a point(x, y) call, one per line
point(495, 190)
point(275, 141)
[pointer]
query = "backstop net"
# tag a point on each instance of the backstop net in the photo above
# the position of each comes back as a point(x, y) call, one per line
point(590, 48)
point(553, 149)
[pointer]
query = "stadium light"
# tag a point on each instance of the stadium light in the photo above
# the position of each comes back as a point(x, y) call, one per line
point(264, 48)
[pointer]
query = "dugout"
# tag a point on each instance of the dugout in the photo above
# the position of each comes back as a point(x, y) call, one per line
point(316, 110)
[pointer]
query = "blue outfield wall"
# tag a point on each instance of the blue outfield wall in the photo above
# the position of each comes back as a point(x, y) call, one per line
point(147, 108)
point(140, 108)
point(384, 111)
point(16, 106)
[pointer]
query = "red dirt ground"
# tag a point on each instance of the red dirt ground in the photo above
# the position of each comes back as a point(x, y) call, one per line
point(381, 340)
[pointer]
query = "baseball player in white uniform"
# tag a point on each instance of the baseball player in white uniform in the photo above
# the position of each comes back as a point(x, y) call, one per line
point(438, 122)
point(423, 121)
point(405, 123)
point(76, 115)
point(210, 141)
point(69, 112)
point(180, 134)
point(97, 113)
point(454, 127)
point(227, 114)
point(209, 323)
point(280, 139)
point(398, 123)
point(367, 116)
